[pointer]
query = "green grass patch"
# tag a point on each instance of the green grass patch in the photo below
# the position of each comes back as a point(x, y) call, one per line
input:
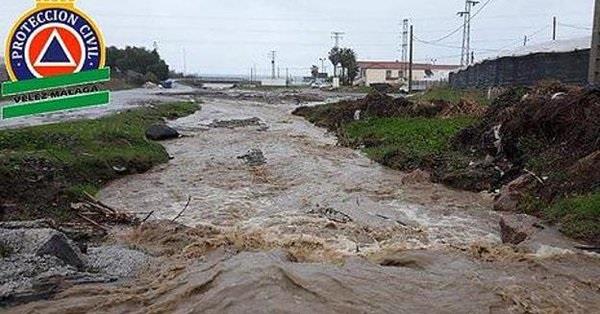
point(44, 168)
point(411, 141)
point(452, 95)
point(578, 217)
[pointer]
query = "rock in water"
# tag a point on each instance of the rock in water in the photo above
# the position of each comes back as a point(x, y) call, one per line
point(161, 132)
point(254, 158)
point(513, 193)
point(42, 242)
point(516, 229)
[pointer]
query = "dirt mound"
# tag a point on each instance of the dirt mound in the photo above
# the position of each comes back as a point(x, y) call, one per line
point(550, 134)
point(331, 116)
point(379, 105)
point(547, 129)
point(463, 108)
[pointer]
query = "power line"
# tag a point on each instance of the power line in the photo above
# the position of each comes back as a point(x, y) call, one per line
point(450, 46)
point(120, 15)
point(471, 17)
point(575, 26)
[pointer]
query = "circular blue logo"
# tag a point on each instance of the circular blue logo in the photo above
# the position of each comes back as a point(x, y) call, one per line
point(51, 42)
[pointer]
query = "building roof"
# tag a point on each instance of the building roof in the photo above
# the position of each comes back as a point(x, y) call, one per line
point(566, 45)
point(397, 65)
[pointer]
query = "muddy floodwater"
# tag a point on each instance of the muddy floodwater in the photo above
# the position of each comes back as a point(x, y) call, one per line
point(327, 230)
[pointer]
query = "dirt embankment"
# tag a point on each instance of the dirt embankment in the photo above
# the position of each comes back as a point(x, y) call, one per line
point(431, 131)
point(551, 130)
point(539, 145)
point(44, 169)
point(377, 105)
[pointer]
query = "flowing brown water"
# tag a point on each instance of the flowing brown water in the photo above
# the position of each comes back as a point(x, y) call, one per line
point(408, 247)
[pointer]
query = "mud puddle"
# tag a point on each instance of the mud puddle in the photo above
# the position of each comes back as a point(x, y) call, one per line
point(322, 228)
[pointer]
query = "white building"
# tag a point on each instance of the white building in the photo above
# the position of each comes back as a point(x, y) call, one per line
point(395, 73)
point(278, 82)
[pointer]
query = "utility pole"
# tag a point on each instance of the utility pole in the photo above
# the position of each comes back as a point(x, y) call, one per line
point(273, 57)
point(594, 77)
point(184, 61)
point(554, 25)
point(287, 76)
point(466, 44)
point(337, 37)
point(404, 46)
point(410, 61)
point(323, 69)
point(525, 40)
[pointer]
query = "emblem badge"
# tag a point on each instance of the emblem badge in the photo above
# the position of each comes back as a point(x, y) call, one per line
point(54, 46)
point(55, 38)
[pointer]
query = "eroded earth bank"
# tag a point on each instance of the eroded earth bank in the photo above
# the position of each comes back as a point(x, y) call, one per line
point(278, 218)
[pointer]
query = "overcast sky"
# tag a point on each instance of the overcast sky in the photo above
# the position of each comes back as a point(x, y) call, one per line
point(230, 36)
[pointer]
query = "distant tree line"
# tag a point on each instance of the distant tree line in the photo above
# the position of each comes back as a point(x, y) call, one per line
point(147, 63)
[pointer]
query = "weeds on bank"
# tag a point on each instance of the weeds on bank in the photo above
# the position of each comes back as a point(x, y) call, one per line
point(43, 168)
point(417, 139)
point(578, 217)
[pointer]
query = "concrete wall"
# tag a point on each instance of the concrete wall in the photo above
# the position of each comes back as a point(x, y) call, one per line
point(567, 67)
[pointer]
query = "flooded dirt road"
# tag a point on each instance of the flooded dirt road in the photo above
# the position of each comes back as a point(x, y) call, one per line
point(320, 228)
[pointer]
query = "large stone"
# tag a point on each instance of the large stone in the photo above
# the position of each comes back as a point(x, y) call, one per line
point(515, 229)
point(513, 193)
point(117, 261)
point(477, 178)
point(161, 132)
point(27, 278)
point(42, 242)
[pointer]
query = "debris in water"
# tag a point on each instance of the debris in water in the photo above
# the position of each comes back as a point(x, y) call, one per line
point(120, 169)
point(254, 158)
point(183, 210)
point(589, 248)
point(331, 214)
point(236, 123)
